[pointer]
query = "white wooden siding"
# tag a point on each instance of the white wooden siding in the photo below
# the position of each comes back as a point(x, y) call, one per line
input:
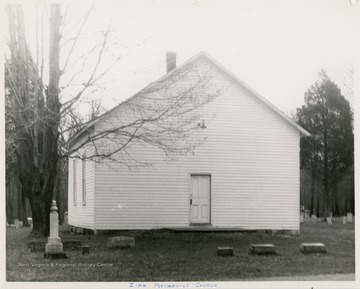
point(251, 153)
point(82, 215)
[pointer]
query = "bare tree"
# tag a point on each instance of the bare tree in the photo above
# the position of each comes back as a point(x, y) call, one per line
point(36, 114)
point(163, 115)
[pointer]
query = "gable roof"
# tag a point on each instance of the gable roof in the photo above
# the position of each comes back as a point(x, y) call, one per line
point(257, 95)
point(223, 69)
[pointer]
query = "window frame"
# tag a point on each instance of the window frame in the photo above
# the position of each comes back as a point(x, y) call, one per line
point(83, 181)
point(74, 183)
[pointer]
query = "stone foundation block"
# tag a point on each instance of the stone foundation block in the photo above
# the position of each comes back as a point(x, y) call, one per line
point(311, 248)
point(263, 249)
point(120, 242)
point(225, 251)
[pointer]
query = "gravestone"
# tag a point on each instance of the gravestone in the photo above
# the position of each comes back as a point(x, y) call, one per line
point(313, 218)
point(329, 220)
point(54, 247)
point(307, 216)
point(302, 213)
point(17, 223)
point(344, 220)
point(66, 218)
point(85, 249)
point(309, 248)
point(225, 251)
point(263, 249)
point(349, 217)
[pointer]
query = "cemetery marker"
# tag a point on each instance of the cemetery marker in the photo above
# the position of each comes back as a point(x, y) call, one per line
point(54, 247)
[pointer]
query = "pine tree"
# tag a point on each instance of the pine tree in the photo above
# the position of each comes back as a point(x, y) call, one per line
point(329, 152)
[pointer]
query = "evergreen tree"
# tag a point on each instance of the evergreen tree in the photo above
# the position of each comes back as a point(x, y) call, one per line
point(329, 152)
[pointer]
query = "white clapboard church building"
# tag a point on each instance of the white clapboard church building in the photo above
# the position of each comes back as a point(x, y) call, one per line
point(241, 171)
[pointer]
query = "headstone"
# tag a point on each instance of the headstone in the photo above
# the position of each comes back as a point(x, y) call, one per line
point(225, 251)
point(307, 216)
point(349, 217)
point(66, 218)
point(301, 216)
point(17, 223)
point(120, 242)
point(54, 247)
point(262, 249)
point(328, 220)
point(85, 249)
point(344, 220)
point(309, 248)
point(313, 218)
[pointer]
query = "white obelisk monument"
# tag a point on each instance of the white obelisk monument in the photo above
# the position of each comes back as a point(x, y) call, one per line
point(54, 247)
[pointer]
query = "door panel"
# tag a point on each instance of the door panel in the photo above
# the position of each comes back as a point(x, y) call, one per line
point(200, 199)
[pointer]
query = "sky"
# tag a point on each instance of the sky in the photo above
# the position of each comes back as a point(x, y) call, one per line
point(275, 46)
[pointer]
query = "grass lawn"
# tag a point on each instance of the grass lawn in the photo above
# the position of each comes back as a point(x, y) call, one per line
point(163, 255)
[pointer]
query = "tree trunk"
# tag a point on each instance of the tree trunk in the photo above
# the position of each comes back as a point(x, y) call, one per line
point(336, 199)
point(9, 208)
point(40, 216)
point(352, 196)
point(24, 216)
point(326, 173)
point(318, 203)
point(12, 200)
point(37, 172)
point(312, 191)
point(35, 187)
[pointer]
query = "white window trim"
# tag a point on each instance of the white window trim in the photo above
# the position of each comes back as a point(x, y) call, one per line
point(74, 183)
point(84, 180)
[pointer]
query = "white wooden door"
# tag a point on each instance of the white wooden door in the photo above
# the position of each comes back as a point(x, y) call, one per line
point(200, 199)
